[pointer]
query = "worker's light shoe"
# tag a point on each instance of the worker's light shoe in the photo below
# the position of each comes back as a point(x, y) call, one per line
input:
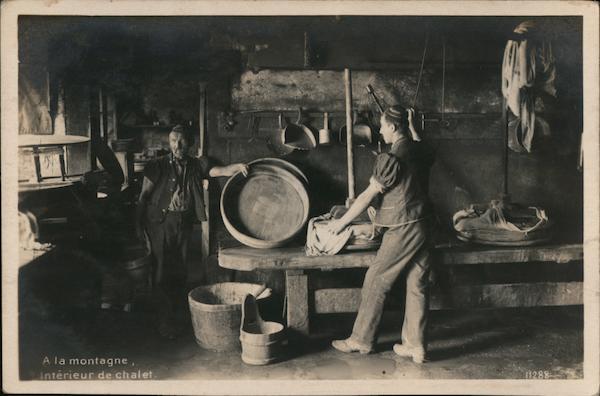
point(417, 354)
point(349, 345)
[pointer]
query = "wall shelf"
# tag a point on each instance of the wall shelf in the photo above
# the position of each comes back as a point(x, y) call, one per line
point(149, 126)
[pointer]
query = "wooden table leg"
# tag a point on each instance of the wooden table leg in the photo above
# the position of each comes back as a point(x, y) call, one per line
point(38, 166)
point(296, 290)
point(61, 160)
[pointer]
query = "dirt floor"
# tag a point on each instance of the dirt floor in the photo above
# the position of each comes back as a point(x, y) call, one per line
point(479, 344)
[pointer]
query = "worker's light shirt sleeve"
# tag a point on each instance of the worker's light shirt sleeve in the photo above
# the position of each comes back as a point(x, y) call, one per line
point(386, 172)
point(376, 185)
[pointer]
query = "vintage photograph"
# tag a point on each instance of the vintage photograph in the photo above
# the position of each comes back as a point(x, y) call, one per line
point(243, 197)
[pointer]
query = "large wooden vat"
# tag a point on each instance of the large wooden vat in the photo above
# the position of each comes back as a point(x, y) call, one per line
point(267, 208)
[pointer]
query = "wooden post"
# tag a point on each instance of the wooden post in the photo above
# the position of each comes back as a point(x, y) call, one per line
point(61, 160)
point(37, 164)
point(349, 145)
point(91, 131)
point(505, 150)
point(111, 117)
point(205, 225)
point(296, 292)
point(202, 119)
point(101, 115)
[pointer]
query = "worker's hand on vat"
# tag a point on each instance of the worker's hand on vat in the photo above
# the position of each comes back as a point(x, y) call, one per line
point(241, 168)
point(229, 170)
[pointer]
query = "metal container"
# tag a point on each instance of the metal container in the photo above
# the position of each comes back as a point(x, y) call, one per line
point(297, 135)
point(361, 131)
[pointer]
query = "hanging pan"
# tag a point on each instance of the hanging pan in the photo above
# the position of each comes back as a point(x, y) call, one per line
point(297, 136)
point(275, 143)
point(362, 134)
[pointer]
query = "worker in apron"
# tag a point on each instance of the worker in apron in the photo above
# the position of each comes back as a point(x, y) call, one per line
point(170, 201)
point(401, 178)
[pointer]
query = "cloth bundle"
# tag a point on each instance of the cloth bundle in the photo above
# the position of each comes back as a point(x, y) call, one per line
point(320, 241)
point(499, 224)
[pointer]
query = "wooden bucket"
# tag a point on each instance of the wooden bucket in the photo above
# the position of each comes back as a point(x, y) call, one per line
point(262, 342)
point(267, 208)
point(216, 313)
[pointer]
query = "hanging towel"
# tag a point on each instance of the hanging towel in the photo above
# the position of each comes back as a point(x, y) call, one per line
point(527, 69)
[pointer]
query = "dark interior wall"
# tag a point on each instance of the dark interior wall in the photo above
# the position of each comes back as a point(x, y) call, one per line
point(469, 166)
point(260, 63)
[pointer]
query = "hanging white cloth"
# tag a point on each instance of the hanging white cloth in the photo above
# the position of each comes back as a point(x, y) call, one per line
point(527, 68)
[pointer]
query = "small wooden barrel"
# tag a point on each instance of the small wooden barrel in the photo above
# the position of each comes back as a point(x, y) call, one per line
point(216, 312)
point(262, 342)
point(266, 347)
point(267, 208)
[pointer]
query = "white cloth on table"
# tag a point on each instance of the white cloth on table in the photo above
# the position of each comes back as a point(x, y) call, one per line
point(321, 241)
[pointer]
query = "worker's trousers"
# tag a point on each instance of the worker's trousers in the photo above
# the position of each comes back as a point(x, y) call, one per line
point(169, 242)
point(404, 249)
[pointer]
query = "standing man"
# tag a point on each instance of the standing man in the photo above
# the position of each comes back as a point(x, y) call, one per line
point(170, 200)
point(401, 177)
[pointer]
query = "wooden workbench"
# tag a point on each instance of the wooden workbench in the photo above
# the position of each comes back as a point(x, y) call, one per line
point(296, 265)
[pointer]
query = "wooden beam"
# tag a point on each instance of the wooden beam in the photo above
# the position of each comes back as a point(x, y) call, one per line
point(510, 295)
point(337, 300)
point(475, 296)
point(470, 254)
